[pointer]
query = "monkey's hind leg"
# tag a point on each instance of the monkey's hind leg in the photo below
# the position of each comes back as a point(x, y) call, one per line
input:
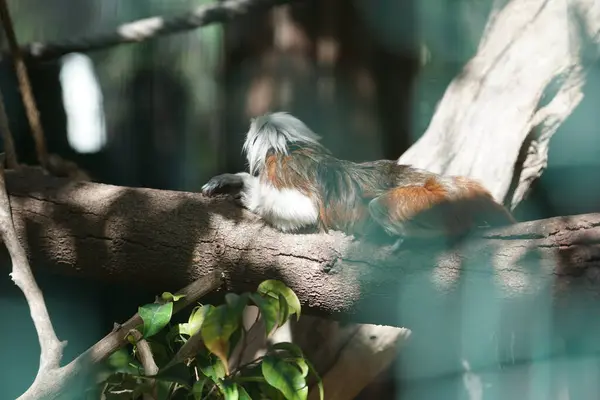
point(414, 211)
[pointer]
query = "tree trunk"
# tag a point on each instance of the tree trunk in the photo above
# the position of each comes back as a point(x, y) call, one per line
point(511, 97)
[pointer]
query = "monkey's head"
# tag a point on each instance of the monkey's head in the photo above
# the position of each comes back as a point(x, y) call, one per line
point(274, 133)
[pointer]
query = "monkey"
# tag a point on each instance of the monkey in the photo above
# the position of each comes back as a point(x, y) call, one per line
point(294, 183)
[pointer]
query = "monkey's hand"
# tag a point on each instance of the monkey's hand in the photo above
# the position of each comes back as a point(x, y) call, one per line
point(223, 184)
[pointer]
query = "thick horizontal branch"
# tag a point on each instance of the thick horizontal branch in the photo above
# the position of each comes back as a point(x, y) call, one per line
point(166, 239)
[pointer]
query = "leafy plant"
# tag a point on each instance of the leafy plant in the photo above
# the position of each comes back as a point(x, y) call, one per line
point(195, 357)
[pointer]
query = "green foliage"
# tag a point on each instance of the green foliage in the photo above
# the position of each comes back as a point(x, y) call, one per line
point(195, 357)
point(269, 310)
point(155, 317)
point(277, 289)
point(219, 325)
point(168, 296)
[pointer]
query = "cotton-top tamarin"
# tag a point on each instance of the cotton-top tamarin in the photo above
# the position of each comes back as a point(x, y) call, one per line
point(295, 183)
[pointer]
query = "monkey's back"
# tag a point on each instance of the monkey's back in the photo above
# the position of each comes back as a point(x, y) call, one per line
point(345, 189)
point(348, 194)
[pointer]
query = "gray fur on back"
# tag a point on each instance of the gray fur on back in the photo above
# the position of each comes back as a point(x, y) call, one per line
point(274, 131)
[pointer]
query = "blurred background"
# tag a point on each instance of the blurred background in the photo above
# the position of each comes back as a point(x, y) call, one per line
point(171, 112)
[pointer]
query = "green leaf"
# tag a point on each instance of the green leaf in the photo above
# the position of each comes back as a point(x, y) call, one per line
point(197, 318)
point(230, 390)
point(218, 326)
point(284, 310)
point(269, 310)
point(193, 325)
point(300, 362)
point(319, 380)
point(293, 354)
point(120, 361)
point(155, 317)
point(237, 303)
point(198, 388)
point(211, 366)
point(285, 377)
point(168, 296)
point(274, 288)
point(243, 394)
point(291, 348)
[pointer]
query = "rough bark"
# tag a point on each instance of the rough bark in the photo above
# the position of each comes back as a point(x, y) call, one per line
point(166, 239)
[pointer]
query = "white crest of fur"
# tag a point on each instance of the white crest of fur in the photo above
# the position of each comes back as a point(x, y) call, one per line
point(274, 131)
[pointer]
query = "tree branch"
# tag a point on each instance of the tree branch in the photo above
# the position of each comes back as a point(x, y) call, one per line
point(31, 110)
point(125, 234)
point(7, 138)
point(51, 347)
point(149, 28)
point(145, 356)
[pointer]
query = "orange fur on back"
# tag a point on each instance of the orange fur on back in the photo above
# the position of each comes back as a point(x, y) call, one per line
point(432, 209)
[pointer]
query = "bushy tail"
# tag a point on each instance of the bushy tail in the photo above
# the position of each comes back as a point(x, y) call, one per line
point(432, 210)
point(487, 212)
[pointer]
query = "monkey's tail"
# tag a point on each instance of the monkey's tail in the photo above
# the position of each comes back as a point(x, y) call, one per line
point(479, 202)
point(493, 214)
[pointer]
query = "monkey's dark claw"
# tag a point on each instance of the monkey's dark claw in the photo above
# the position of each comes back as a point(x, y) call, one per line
point(222, 184)
point(209, 188)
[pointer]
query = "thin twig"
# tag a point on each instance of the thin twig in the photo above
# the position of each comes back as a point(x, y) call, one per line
point(33, 116)
point(51, 347)
point(148, 28)
point(9, 145)
point(117, 339)
point(147, 359)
